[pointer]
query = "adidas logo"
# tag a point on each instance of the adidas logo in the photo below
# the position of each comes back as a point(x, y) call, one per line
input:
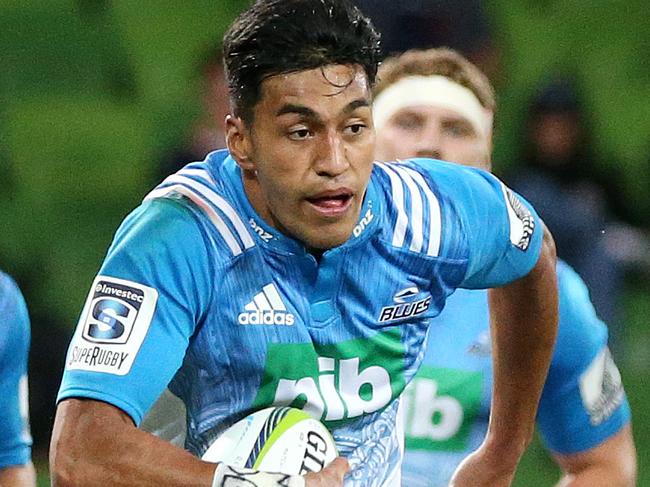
point(266, 308)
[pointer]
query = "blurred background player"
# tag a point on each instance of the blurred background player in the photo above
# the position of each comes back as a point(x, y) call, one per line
point(435, 103)
point(16, 469)
point(581, 200)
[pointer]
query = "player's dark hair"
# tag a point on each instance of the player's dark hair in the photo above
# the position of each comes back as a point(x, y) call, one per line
point(283, 36)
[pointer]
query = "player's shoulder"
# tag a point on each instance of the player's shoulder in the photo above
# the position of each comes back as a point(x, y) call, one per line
point(11, 299)
point(441, 194)
point(440, 175)
point(199, 201)
point(14, 319)
point(8, 287)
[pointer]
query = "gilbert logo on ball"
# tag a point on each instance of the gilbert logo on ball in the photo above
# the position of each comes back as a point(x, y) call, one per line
point(277, 439)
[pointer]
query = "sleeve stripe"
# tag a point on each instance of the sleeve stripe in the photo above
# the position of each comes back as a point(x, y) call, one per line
point(398, 197)
point(416, 210)
point(400, 176)
point(435, 219)
point(196, 172)
point(201, 203)
point(219, 202)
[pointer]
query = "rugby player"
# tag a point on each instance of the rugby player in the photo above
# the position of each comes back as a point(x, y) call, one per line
point(292, 270)
point(16, 468)
point(436, 104)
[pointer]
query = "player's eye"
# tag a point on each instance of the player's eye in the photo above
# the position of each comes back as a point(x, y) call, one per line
point(458, 129)
point(299, 133)
point(355, 128)
point(408, 122)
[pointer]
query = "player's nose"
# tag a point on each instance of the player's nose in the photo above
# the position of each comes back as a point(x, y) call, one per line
point(429, 144)
point(331, 157)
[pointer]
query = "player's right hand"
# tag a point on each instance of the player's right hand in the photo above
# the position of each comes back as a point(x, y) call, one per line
point(330, 476)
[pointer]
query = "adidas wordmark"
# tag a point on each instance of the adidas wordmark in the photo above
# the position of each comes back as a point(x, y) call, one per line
point(266, 308)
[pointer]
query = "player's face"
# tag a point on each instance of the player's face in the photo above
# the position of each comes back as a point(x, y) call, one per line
point(308, 153)
point(435, 132)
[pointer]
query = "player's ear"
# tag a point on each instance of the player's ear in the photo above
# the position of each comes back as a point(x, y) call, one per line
point(239, 143)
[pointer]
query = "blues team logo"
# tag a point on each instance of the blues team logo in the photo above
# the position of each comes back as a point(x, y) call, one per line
point(407, 305)
point(113, 325)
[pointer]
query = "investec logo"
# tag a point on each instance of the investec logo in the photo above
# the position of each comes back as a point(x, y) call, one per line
point(266, 308)
point(357, 392)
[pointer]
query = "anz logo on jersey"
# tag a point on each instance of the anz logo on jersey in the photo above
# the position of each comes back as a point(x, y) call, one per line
point(364, 222)
point(263, 234)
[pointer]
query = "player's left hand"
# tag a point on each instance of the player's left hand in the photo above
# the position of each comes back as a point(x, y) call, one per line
point(484, 469)
point(330, 476)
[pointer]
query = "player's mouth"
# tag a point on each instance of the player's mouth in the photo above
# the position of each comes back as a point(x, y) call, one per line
point(332, 204)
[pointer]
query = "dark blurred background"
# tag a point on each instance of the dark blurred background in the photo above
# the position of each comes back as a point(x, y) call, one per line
point(100, 99)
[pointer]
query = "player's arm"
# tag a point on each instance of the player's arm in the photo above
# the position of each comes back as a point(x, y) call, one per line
point(16, 468)
point(610, 464)
point(523, 323)
point(95, 443)
point(509, 249)
point(18, 476)
point(158, 280)
point(523, 327)
point(584, 417)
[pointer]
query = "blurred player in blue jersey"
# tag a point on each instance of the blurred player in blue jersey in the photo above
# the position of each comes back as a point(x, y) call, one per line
point(16, 469)
point(292, 270)
point(434, 103)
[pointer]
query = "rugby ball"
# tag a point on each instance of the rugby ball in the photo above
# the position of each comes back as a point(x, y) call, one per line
point(277, 439)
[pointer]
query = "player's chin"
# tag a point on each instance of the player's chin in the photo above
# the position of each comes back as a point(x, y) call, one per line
point(327, 235)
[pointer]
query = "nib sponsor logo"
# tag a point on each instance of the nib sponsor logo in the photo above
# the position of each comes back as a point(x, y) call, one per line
point(266, 308)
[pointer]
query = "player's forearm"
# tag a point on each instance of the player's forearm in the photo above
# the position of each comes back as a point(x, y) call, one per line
point(611, 464)
point(94, 443)
point(524, 318)
point(19, 476)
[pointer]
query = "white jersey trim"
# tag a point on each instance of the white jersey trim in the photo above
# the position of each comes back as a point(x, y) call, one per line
point(214, 217)
point(416, 210)
point(398, 198)
point(205, 198)
point(435, 219)
point(401, 176)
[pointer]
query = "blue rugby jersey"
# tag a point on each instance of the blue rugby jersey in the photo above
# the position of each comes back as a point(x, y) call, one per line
point(15, 439)
point(198, 293)
point(447, 405)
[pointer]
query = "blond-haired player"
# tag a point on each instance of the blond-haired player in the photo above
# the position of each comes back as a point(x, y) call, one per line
point(436, 104)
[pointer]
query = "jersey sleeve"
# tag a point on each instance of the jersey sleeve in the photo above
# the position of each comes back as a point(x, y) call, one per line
point(142, 309)
point(15, 439)
point(500, 232)
point(583, 402)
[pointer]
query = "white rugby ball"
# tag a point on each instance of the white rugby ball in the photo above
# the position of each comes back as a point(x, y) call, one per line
point(277, 439)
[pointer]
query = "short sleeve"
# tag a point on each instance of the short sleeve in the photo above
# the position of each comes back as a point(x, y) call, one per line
point(583, 402)
point(15, 440)
point(500, 231)
point(142, 309)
